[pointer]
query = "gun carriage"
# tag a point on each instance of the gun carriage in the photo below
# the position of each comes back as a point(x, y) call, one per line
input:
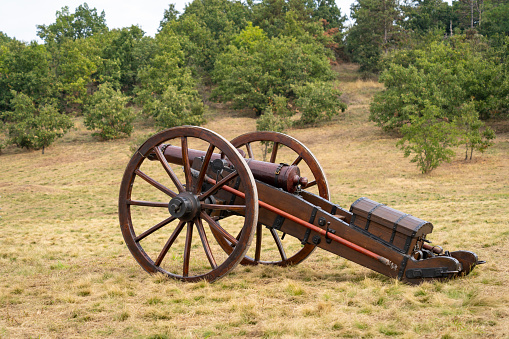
point(189, 180)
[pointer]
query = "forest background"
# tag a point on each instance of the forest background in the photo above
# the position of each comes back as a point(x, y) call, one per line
point(444, 67)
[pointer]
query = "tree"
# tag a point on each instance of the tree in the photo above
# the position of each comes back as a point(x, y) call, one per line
point(318, 101)
point(443, 74)
point(171, 14)
point(34, 127)
point(425, 15)
point(276, 117)
point(471, 133)
point(271, 15)
point(209, 26)
point(83, 23)
point(107, 113)
point(374, 32)
point(167, 90)
point(174, 108)
point(468, 13)
point(123, 52)
point(4, 38)
point(255, 68)
point(495, 19)
point(25, 68)
point(75, 64)
point(435, 97)
point(429, 138)
point(330, 12)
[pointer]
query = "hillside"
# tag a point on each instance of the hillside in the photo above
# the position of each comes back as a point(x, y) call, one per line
point(66, 272)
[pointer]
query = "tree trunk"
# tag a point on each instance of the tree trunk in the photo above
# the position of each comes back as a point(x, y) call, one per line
point(471, 13)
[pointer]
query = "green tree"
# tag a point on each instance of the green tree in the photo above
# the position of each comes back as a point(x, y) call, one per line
point(473, 134)
point(318, 101)
point(374, 32)
point(34, 127)
point(444, 74)
point(429, 138)
point(4, 38)
point(272, 15)
point(74, 55)
point(76, 65)
point(123, 52)
point(171, 14)
point(425, 15)
point(330, 12)
point(276, 117)
point(496, 19)
point(83, 23)
point(209, 26)
point(174, 108)
point(167, 85)
point(25, 68)
point(107, 113)
point(255, 68)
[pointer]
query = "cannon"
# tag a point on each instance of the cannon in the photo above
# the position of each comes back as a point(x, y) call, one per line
point(191, 202)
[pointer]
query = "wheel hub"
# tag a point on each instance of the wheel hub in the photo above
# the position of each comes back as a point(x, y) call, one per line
point(184, 206)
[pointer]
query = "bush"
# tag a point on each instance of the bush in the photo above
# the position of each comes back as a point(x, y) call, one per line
point(175, 108)
point(33, 127)
point(167, 89)
point(107, 113)
point(430, 138)
point(255, 68)
point(318, 101)
point(470, 127)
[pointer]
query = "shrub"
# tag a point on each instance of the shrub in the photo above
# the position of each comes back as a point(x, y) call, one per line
point(176, 108)
point(254, 69)
point(33, 127)
point(318, 101)
point(429, 137)
point(107, 113)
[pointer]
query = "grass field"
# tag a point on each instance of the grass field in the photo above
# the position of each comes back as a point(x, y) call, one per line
point(65, 271)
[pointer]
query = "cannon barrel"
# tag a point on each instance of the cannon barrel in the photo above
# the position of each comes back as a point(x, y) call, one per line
point(282, 176)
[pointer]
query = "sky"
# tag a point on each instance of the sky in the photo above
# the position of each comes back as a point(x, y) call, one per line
point(19, 18)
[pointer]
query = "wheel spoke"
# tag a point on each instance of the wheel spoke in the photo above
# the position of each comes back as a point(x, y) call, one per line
point(147, 203)
point(205, 243)
point(170, 242)
point(249, 151)
point(219, 229)
point(203, 170)
point(297, 161)
point(168, 169)
point(218, 185)
point(278, 244)
point(185, 160)
point(154, 228)
point(312, 183)
point(258, 248)
point(239, 208)
point(274, 152)
point(187, 249)
point(156, 184)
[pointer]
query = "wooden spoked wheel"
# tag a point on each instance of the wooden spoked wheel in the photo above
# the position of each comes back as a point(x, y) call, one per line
point(165, 209)
point(283, 148)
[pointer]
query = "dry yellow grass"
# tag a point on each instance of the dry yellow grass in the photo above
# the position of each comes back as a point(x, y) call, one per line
point(65, 271)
